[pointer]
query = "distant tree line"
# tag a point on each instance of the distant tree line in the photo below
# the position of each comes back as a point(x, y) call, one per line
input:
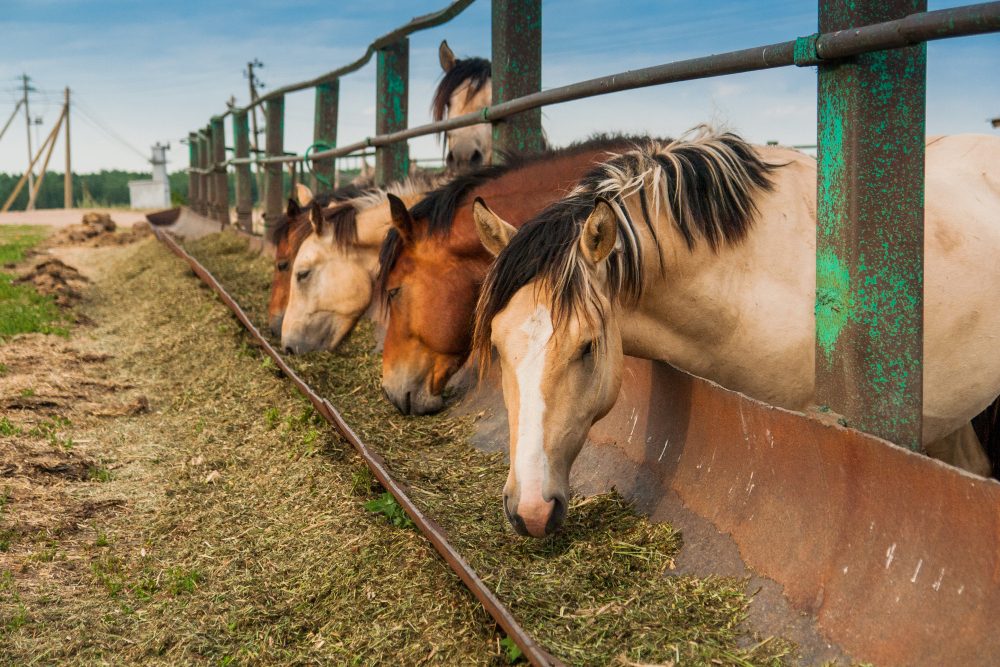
point(110, 188)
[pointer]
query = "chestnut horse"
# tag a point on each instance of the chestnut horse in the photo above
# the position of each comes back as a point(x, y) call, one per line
point(287, 235)
point(432, 263)
point(702, 253)
point(465, 87)
point(334, 268)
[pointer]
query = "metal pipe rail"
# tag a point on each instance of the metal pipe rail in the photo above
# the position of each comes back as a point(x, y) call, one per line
point(804, 51)
point(419, 23)
point(431, 530)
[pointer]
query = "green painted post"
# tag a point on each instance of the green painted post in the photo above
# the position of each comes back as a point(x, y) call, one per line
point(274, 199)
point(517, 71)
point(192, 175)
point(207, 182)
point(244, 191)
point(870, 234)
point(325, 130)
point(220, 174)
point(392, 163)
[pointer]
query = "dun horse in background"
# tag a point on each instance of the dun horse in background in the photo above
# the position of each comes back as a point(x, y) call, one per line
point(465, 87)
point(432, 264)
point(288, 234)
point(333, 270)
point(701, 253)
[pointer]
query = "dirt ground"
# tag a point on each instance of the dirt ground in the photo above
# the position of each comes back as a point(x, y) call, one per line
point(158, 508)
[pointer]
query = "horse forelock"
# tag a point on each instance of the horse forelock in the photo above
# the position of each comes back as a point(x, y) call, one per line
point(706, 184)
point(474, 71)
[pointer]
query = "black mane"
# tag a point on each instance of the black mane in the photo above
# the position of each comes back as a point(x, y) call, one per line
point(709, 186)
point(294, 212)
point(438, 208)
point(476, 71)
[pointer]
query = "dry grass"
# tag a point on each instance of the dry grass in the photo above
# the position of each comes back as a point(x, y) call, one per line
point(226, 525)
point(600, 592)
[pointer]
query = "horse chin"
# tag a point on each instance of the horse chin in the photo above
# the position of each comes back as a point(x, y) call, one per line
point(414, 402)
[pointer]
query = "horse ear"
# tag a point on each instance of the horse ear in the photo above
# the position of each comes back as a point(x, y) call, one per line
point(401, 218)
point(600, 232)
point(446, 56)
point(293, 209)
point(303, 194)
point(317, 220)
point(494, 231)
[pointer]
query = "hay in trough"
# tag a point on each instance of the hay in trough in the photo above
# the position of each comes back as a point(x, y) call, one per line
point(599, 592)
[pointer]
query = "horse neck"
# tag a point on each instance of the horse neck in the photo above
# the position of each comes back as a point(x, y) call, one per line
point(723, 314)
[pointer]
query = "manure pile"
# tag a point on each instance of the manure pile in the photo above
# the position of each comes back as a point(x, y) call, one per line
point(601, 591)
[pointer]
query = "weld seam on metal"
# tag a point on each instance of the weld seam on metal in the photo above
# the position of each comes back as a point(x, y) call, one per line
point(431, 530)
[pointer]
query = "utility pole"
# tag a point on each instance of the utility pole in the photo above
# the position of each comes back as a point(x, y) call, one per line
point(255, 82)
point(27, 121)
point(68, 178)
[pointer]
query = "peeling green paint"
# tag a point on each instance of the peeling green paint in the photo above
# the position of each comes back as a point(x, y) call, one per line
point(833, 300)
point(517, 48)
point(392, 163)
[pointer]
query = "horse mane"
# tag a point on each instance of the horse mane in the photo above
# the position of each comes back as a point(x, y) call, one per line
point(439, 206)
point(286, 224)
point(477, 71)
point(344, 217)
point(707, 184)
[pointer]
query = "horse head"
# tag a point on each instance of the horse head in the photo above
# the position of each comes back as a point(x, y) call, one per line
point(465, 87)
point(544, 313)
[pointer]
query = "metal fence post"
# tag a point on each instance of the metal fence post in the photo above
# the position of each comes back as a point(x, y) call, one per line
point(325, 130)
point(205, 153)
point(193, 175)
point(517, 71)
point(244, 193)
point(220, 174)
point(274, 114)
point(392, 163)
point(870, 235)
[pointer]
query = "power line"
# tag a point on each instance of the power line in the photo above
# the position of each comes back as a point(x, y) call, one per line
point(88, 115)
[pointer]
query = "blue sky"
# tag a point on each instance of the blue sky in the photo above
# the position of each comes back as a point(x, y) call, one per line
point(152, 71)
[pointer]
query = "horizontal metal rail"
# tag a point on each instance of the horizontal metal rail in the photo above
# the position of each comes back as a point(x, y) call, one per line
point(804, 51)
point(430, 528)
point(424, 22)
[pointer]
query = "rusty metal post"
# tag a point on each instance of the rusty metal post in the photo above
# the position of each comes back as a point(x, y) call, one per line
point(274, 114)
point(204, 153)
point(870, 234)
point(244, 191)
point(220, 174)
point(325, 131)
point(192, 175)
point(517, 71)
point(392, 163)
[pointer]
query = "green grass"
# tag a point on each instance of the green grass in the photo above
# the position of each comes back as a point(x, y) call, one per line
point(24, 310)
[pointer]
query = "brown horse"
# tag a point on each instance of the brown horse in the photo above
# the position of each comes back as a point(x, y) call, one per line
point(432, 264)
point(465, 87)
point(287, 235)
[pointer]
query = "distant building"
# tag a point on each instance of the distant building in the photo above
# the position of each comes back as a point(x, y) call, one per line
point(156, 192)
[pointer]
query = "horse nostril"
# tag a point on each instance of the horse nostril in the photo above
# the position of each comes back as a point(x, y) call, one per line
point(450, 159)
point(289, 350)
point(407, 410)
point(557, 516)
point(477, 158)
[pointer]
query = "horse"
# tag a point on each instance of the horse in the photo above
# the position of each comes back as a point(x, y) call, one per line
point(465, 87)
point(432, 263)
point(335, 264)
point(701, 253)
point(289, 231)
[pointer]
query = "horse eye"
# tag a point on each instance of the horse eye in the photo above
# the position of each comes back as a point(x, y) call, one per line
point(283, 266)
point(393, 293)
point(586, 349)
point(302, 275)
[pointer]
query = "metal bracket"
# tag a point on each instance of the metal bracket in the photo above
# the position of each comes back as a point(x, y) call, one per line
point(805, 52)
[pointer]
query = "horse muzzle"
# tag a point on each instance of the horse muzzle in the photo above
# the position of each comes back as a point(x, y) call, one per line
point(539, 519)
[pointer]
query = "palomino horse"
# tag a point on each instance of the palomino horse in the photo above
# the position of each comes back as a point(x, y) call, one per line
point(288, 233)
point(701, 253)
point(432, 264)
point(335, 265)
point(465, 87)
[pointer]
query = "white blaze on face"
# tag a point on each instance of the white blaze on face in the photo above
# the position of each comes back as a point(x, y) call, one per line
point(531, 465)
